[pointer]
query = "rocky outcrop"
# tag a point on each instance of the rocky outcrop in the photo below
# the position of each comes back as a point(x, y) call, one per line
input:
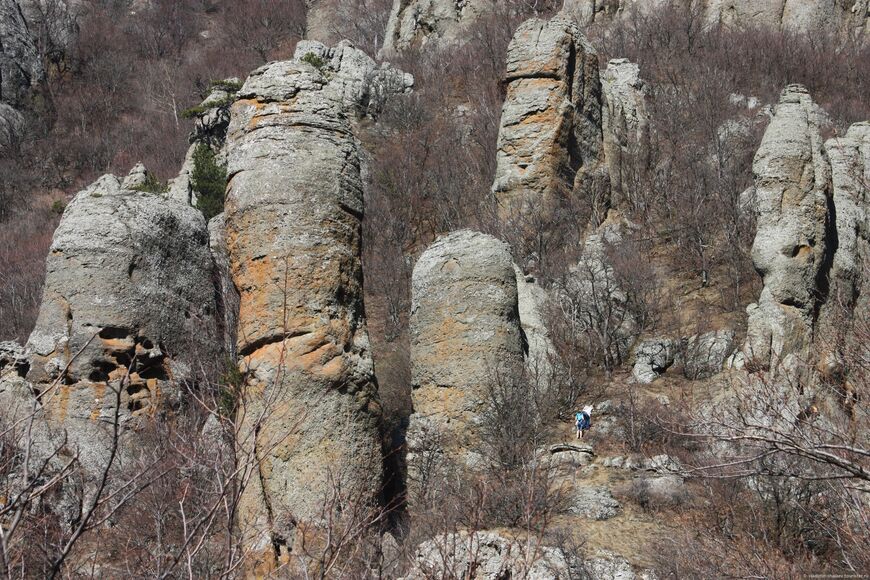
point(812, 243)
point(417, 22)
point(465, 335)
point(486, 555)
point(310, 412)
point(849, 157)
point(13, 358)
point(705, 354)
point(550, 140)
point(794, 242)
point(701, 355)
point(532, 301)
point(211, 120)
point(21, 67)
point(128, 306)
point(355, 80)
point(592, 296)
point(624, 122)
point(21, 70)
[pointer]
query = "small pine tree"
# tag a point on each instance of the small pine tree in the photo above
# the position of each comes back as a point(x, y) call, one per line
point(209, 181)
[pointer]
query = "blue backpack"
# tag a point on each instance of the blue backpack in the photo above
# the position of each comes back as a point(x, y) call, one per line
point(583, 420)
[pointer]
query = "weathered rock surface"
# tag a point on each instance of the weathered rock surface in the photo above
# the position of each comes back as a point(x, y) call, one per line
point(21, 67)
point(355, 80)
point(793, 246)
point(624, 122)
point(416, 22)
point(487, 555)
point(564, 458)
point(294, 203)
point(593, 297)
point(128, 304)
point(228, 304)
point(210, 128)
point(531, 300)
point(550, 141)
point(137, 177)
point(652, 357)
point(12, 125)
point(703, 355)
point(849, 157)
point(13, 358)
point(465, 332)
point(594, 503)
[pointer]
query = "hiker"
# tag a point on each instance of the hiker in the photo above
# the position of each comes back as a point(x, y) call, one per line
point(583, 421)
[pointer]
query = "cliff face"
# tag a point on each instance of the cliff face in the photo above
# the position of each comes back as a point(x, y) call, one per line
point(310, 412)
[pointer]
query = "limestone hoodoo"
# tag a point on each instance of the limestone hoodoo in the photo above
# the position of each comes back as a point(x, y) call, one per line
point(310, 413)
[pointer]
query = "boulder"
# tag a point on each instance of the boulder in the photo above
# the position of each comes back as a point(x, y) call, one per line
point(565, 458)
point(703, 355)
point(594, 503)
point(625, 123)
point(549, 142)
point(137, 178)
point(652, 357)
point(465, 335)
point(662, 490)
point(128, 307)
point(310, 410)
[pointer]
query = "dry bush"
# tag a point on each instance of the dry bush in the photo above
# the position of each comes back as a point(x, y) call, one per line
point(24, 242)
point(780, 528)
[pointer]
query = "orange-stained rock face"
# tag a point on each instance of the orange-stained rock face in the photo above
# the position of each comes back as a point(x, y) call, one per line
point(550, 138)
point(310, 413)
point(465, 336)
